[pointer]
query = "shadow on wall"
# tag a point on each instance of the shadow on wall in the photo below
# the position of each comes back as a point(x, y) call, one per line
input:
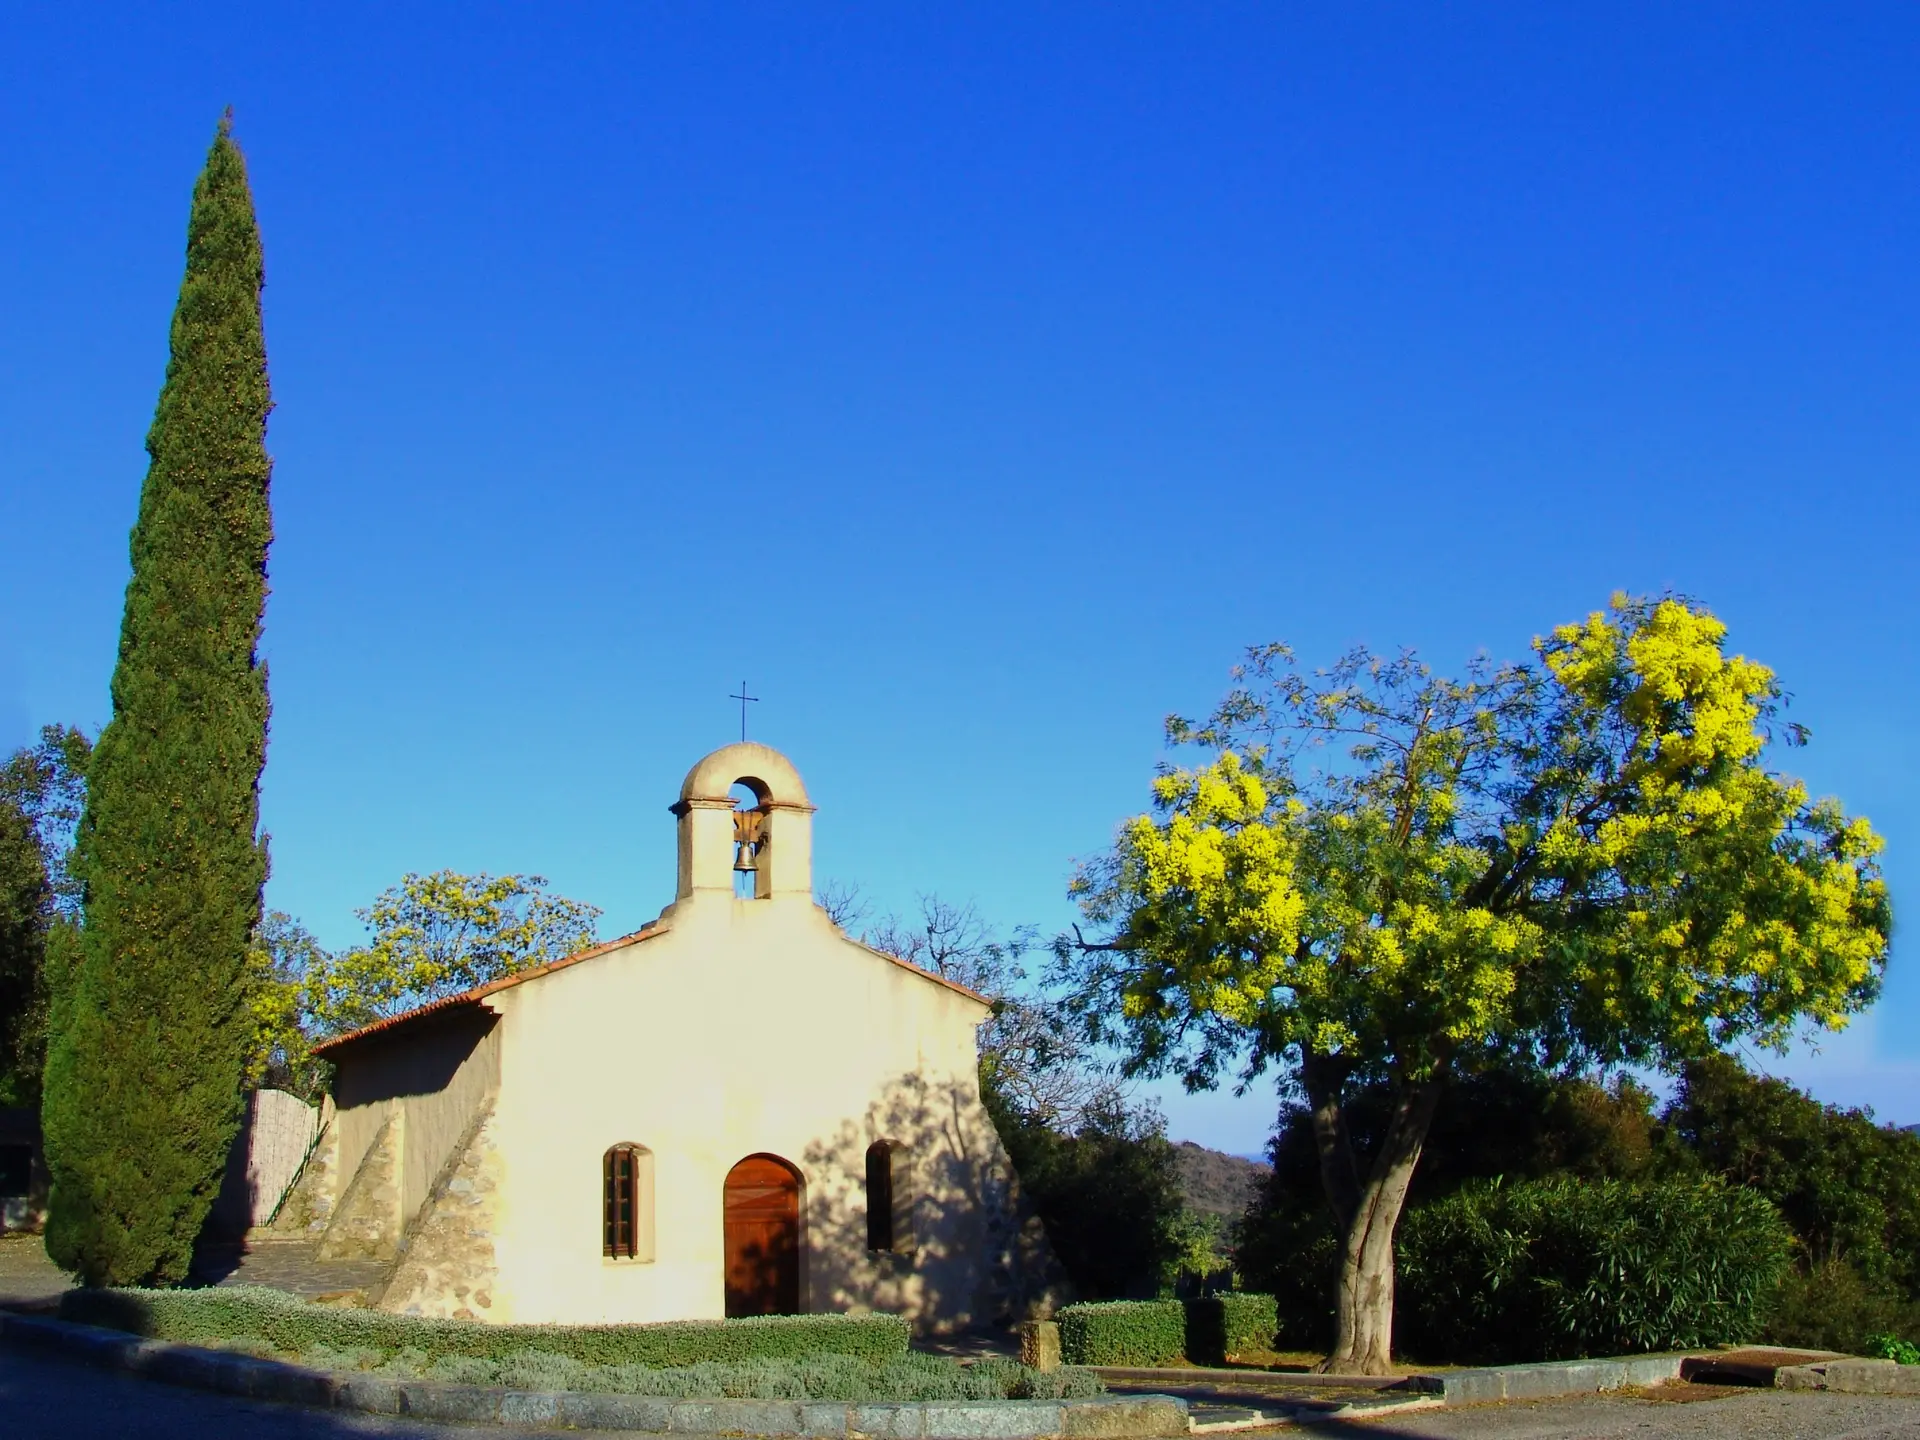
point(957, 1247)
point(276, 1134)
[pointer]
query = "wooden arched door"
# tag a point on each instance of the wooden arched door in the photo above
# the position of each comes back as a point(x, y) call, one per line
point(763, 1237)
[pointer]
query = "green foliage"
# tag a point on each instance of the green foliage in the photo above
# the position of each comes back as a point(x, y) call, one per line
point(1557, 1269)
point(1232, 1323)
point(1108, 1195)
point(47, 782)
point(143, 1077)
point(26, 907)
point(853, 1378)
point(1892, 1347)
point(291, 1326)
point(1850, 1188)
point(1831, 1307)
point(42, 787)
point(1379, 874)
point(1507, 1121)
point(283, 955)
point(437, 935)
point(1165, 1332)
point(1123, 1332)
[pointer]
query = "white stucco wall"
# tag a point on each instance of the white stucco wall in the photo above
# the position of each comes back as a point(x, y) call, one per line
point(749, 1026)
point(732, 1028)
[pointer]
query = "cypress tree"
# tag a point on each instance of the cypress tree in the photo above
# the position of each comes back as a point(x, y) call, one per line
point(152, 1026)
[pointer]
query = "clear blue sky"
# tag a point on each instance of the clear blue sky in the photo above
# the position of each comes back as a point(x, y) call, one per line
point(975, 384)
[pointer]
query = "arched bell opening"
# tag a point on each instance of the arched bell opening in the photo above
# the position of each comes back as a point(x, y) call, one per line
point(744, 813)
point(752, 866)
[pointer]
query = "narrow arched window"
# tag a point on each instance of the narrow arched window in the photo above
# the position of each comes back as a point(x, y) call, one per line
point(627, 1208)
point(889, 1197)
point(880, 1196)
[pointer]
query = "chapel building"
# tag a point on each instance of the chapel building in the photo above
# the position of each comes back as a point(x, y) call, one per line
point(736, 1110)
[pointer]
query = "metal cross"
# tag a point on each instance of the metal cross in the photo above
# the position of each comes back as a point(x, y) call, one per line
point(744, 699)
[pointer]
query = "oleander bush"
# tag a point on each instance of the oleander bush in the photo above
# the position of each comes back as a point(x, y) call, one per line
point(1234, 1323)
point(290, 1326)
point(1557, 1269)
point(1892, 1347)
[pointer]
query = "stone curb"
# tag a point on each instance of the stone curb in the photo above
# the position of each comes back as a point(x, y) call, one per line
point(1853, 1377)
point(1545, 1380)
point(1111, 1418)
point(1548, 1380)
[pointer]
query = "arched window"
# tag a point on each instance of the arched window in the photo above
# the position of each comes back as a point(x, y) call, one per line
point(627, 1207)
point(889, 1197)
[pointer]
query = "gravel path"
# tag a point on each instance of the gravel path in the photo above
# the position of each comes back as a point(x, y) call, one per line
point(27, 1275)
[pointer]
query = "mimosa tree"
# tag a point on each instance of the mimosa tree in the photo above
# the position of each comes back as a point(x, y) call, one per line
point(1380, 874)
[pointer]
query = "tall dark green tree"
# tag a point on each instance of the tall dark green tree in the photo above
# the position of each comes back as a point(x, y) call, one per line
point(152, 1026)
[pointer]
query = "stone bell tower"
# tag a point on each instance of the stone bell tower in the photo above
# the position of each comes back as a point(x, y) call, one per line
point(773, 840)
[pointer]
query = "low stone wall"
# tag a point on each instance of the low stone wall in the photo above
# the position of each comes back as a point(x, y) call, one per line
point(1118, 1417)
point(1852, 1377)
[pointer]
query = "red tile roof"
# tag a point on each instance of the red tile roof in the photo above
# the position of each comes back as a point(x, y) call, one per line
point(480, 992)
point(507, 982)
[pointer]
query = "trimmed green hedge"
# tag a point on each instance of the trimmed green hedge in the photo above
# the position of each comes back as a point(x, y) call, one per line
point(815, 1377)
point(1123, 1332)
point(1165, 1332)
point(1557, 1269)
point(1231, 1324)
point(292, 1326)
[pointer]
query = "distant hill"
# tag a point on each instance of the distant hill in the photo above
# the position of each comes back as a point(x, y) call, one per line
point(1216, 1183)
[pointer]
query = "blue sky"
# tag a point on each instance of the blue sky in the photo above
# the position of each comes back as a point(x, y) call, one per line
point(976, 384)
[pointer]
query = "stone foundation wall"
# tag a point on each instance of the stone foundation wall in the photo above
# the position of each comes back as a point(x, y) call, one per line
point(367, 1221)
point(447, 1266)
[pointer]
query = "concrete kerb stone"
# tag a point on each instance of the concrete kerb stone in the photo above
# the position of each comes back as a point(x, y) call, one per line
point(1853, 1377)
point(1145, 1416)
point(1550, 1379)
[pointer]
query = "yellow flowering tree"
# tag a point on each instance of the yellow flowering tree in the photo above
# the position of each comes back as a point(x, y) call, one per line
point(1382, 874)
point(436, 935)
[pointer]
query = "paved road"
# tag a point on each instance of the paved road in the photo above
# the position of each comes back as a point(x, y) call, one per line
point(44, 1397)
point(1740, 1415)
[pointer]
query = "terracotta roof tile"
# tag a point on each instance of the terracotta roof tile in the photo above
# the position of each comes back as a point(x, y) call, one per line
point(480, 992)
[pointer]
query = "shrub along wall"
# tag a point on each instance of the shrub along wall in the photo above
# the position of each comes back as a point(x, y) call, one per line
point(292, 1326)
point(1557, 1269)
point(1165, 1332)
point(1236, 1323)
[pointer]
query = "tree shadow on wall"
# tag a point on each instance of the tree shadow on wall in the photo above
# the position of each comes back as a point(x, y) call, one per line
point(967, 1249)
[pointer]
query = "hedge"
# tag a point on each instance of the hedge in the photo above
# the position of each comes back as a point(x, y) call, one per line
point(1558, 1269)
point(1236, 1323)
point(1165, 1332)
point(292, 1326)
point(1123, 1332)
point(814, 1377)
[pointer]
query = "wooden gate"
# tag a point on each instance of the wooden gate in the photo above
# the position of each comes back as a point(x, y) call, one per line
point(763, 1237)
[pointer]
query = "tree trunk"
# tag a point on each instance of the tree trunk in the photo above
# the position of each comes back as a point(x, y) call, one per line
point(1367, 1213)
